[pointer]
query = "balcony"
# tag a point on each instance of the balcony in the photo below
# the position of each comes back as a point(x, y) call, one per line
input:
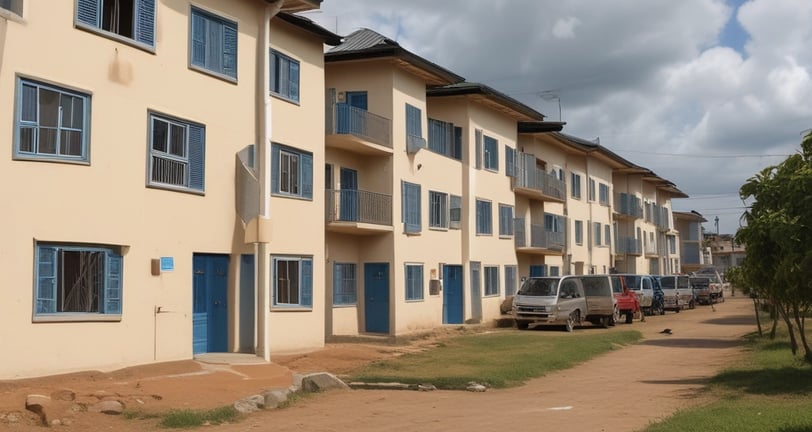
point(357, 130)
point(541, 242)
point(651, 250)
point(628, 246)
point(628, 206)
point(358, 212)
point(534, 182)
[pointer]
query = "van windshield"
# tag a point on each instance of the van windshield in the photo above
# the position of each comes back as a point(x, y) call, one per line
point(540, 287)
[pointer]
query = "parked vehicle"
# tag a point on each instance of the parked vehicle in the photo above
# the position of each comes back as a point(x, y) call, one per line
point(677, 292)
point(708, 286)
point(550, 300)
point(648, 292)
point(627, 302)
point(601, 305)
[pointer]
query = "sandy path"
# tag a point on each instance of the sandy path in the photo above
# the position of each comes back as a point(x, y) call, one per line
point(624, 390)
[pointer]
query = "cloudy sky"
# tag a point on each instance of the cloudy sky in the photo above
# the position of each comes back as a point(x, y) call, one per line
point(703, 92)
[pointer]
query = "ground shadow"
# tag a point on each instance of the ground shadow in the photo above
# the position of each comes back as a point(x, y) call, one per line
point(694, 343)
point(685, 381)
point(733, 320)
point(796, 429)
point(787, 380)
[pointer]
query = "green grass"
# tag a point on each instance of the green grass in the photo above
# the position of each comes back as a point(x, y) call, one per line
point(195, 418)
point(499, 360)
point(768, 391)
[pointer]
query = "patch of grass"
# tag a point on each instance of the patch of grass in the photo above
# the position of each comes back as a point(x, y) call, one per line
point(767, 391)
point(499, 360)
point(195, 418)
point(137, 414)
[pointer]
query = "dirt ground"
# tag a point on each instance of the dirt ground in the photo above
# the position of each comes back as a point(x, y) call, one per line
point(621, 391)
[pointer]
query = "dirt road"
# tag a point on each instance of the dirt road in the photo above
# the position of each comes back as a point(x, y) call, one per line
point(621, 391)
point(668, 374)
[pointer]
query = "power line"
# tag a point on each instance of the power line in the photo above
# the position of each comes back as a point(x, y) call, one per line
point(703, 155)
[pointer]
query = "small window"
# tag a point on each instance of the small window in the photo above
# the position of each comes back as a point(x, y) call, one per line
point(603, 194)
point(15, 6)
point(445, 139)
point(292, 172)
point(128, 19)
point(505, 220)
point(410, 208)
point(579, 232)
point(414, 282)
point(52, 123)
point(77, 279)
point(345, 285)
point(293, 281)
point(455, 212)
point(491, 280)
point(490, 155)
point(484, 224)
point(575, 179)
point(607, 235)
point(177, 153)
point(555, 270)
point(414, 122)
point(213, 44)
point(597, 227)
point(438, 210)
point(510, 161)
point(591, 190)
point(284, 76)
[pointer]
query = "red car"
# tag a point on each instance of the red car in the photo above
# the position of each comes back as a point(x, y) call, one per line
point(627, 302)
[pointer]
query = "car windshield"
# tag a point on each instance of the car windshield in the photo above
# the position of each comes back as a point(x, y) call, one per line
point(540, 287)
point(595, 286)
point(700, 282)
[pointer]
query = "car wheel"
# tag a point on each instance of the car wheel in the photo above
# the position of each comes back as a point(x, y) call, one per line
point(522, 325)
point(615, 318)
point(571, 320)
point(691, 305)
point(629, 317)
point(679, 308)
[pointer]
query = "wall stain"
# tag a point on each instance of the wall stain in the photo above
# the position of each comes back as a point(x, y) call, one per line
point(120, 70)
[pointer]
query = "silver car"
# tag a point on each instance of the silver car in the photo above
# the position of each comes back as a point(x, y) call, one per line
point(550, 301)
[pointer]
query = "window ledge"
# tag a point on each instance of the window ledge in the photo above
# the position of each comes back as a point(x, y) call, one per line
point(282, 308)
point(291, 196)
point(116, 37)
point(51, 159)
point(438, 228)
point(77, 317)
point(227, 78)
point(344, 306)
point(11, 16)
point(415, 300)
point(286, 99)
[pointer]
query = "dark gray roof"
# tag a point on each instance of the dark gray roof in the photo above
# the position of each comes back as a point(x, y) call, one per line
point(368, 44)
point(309, 25)
point(469, 88)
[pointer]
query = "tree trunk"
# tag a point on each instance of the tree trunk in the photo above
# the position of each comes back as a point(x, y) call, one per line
point(758, 320)
point(799, 322)
point(793, 341)
point(774, 316)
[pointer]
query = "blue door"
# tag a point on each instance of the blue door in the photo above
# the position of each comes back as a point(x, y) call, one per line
point(352, 114)
point(349, 195)
point(452, 294)
point(210, 309)
point(537, 271)
point(247, 304)
point(376, 297)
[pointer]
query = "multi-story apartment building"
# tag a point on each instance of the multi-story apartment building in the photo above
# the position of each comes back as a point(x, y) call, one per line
point(691, 250)
point(121, 127)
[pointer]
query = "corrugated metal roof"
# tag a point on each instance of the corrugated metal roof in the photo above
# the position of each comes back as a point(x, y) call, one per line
point(364, 39)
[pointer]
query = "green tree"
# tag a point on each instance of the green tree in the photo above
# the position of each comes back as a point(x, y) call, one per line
point(778, 235)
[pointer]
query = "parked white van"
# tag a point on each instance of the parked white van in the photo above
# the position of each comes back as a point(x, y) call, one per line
point(677, 292)
point(549, 301)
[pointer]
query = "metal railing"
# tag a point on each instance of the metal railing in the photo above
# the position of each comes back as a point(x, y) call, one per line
point(358, 206)
point(540, 180)
point(345, 119)
point(628, 205)
point(628, 245)
point(539, 237)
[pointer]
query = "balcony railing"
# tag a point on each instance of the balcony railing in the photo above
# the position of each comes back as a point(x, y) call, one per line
point(358, 206)
point(539, 237)
point(651, 249)
point(345, 119)
point(629, 246)
point(529, 176)
point(628, 205)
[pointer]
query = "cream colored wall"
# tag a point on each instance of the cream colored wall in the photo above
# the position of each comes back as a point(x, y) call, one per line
point(107, 202)
point(300, 126)
point(600, 172)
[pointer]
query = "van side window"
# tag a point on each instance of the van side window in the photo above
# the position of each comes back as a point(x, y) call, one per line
point(647, 284)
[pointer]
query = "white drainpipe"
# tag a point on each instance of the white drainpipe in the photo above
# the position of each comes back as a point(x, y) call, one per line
point(262, 272)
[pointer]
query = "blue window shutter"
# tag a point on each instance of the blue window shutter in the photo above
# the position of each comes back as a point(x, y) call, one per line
point(145, 22)
point(87, 12)
point(230, 50)
point(560, 224)
point(478, 148)
point(214, 45)
point(112, 290)
point(338, 280)
point(414, 124)
point(198, 39)
point(307, 175)
point(197, 157)
point(307, 282)
point(294, 81)
point(46, 279)
point(411, 207)
point(275, 168)
point(457, 153)
point(273, 61)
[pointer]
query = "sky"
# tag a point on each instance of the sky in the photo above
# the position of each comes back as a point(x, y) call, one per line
point(705, 93)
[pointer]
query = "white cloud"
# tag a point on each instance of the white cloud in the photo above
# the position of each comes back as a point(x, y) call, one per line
point(647, 76)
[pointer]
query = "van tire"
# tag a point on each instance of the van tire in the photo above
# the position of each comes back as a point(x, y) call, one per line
point(574, 317)
point(522, 325)
point(615, 318)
